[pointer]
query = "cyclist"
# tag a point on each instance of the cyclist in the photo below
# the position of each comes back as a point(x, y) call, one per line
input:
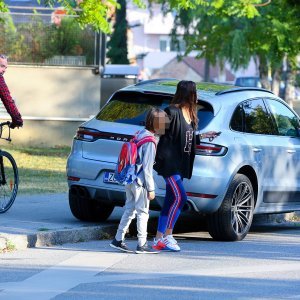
point(6, 98)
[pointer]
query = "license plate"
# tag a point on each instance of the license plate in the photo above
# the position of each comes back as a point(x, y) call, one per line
point(109, 177)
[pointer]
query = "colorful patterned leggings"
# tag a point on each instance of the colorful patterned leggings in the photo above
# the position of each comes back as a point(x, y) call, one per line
point(174, 201)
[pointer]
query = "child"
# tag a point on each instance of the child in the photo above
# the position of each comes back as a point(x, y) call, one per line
point(142, 190)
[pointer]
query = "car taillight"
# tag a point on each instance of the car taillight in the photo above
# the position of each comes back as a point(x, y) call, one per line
point(73, 178)
point(208, 149)
point(87, 134)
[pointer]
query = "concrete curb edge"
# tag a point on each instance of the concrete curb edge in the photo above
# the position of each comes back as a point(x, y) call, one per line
point(51, 238)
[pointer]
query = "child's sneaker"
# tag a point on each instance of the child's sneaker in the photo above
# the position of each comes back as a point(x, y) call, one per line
point(171, 243)
point(120, 245)
point(145, 249)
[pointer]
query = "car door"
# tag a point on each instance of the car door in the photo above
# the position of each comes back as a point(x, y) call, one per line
point(285, 187)
point(255, 140)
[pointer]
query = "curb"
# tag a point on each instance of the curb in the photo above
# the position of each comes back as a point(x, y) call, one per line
point(51, 238)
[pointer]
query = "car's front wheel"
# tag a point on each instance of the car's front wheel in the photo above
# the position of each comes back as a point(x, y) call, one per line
point(232, 221)
point(86, 209)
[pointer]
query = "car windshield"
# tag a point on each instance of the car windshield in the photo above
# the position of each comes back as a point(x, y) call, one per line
point(131, 108)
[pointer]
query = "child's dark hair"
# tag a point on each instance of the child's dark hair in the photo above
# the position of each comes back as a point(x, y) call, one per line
point(152, 113)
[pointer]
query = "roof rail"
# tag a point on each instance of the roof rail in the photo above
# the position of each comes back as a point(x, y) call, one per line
point(243, 89)
point(154, 80)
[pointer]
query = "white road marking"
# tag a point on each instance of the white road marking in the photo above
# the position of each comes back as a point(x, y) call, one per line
point(242, 271)
point(58, 279)
point(83, 268)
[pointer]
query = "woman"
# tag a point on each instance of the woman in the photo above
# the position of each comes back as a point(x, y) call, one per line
point(174, 160)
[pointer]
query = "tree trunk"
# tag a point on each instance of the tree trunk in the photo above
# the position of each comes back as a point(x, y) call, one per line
point(263, 72)
point(276, 77)
point(206, 70)
point(290, 84)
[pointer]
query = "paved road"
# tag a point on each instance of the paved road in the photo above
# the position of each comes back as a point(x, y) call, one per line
point(46, 220)
point(266, 265)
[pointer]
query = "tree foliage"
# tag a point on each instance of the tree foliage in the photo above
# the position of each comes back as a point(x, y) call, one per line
point(270, 37)
point(95, 12)
point(117, 45)
point(10, 38)
point(35, 41)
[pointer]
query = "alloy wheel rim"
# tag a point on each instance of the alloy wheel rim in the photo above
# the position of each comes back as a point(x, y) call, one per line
point(242, 208)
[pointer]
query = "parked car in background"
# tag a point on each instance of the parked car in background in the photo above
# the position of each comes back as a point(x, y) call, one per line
point(252, 167)
point(248, 81)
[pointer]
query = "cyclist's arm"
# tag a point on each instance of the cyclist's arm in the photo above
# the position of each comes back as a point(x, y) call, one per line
point(9, 103)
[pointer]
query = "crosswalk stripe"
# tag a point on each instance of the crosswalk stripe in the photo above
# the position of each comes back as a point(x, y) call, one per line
point(58, 279)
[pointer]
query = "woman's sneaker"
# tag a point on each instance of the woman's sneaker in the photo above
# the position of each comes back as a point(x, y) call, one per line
point(167, 243)
point(120, 245)
point(171, 243)
point(159, 245)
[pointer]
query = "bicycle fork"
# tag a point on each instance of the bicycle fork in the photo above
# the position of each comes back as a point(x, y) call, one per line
point(2, 173)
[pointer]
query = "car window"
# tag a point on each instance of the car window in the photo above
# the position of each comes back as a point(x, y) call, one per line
point(251, 116)
point(237, 123)
point(286, 121)
point(131, 108)
point(205, 114)
point(248, 81)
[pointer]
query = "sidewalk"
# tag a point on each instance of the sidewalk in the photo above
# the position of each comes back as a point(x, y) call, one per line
point(45, 220)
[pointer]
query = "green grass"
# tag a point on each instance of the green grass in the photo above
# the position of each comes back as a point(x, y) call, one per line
point(41, 170)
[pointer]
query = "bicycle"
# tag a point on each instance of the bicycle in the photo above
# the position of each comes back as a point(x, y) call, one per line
point(9, 178)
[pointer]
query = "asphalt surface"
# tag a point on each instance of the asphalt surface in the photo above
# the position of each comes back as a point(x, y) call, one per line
point(46, 220)
point(265, 265)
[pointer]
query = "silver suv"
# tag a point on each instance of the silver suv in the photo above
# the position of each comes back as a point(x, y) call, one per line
point(252, 167)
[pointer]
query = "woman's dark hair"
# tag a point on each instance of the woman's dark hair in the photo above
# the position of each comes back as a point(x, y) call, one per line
point(151, 115)
point(186, 96)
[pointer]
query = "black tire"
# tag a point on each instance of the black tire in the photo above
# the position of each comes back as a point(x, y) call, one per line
point(9, 181)
point(86, 209)
point(232, 221)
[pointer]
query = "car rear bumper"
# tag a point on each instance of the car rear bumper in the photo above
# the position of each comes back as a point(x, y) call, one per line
point(206, 189)
point(109, 197)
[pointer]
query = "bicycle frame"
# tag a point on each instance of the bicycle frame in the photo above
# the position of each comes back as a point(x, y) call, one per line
point(9, 178)
point(7, 123)
point(2, 174)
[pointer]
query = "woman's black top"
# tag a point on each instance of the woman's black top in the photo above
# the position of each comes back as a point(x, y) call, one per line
point(176, 148)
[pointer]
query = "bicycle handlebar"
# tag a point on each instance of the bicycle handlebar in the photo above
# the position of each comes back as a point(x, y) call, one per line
point(7, 123)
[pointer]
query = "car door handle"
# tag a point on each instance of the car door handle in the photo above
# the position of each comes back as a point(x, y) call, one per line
point(291, 151)
point(256, 150)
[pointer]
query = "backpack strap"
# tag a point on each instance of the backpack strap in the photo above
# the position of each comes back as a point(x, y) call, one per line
point(134, 138)
point(146, 139)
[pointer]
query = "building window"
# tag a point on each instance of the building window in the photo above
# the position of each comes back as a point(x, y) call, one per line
point(163, 45)
point(167, 45)
point(178, 46)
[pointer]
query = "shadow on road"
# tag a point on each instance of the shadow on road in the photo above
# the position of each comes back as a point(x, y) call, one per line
point(194, 226)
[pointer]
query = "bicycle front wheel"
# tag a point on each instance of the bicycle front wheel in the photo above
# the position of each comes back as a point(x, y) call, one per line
point(9, 181)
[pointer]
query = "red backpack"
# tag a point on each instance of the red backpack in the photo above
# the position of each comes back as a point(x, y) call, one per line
point(125, 172)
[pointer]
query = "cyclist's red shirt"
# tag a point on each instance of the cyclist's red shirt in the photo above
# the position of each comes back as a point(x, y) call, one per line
point(9, 103)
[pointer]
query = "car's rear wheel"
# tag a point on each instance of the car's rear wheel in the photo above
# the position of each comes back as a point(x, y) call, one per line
point(86, 209)
point(232, 221)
